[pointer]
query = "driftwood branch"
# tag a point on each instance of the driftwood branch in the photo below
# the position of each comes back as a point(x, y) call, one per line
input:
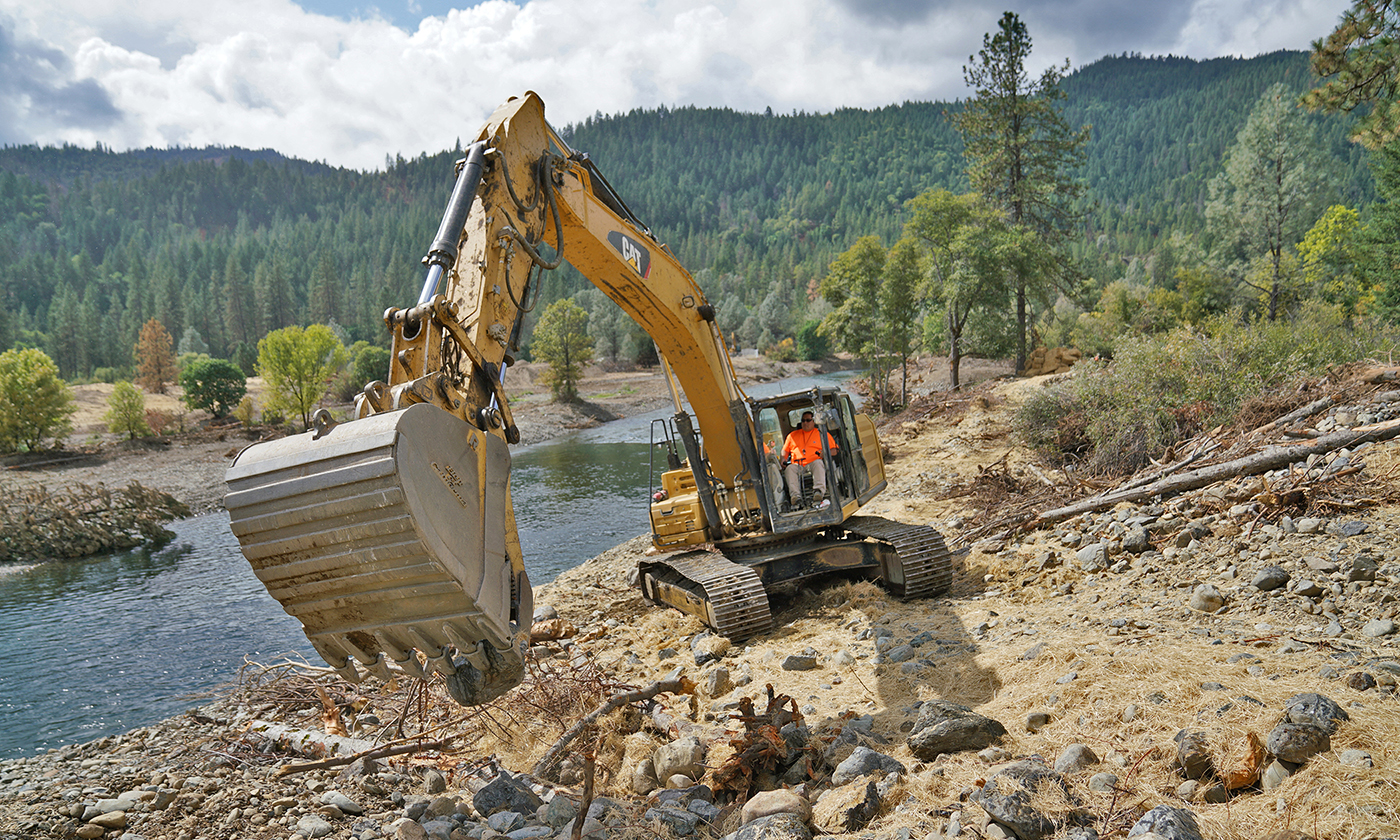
point(1270, 458)
point(675, 686)
point(376, 753)
point(1298, 414)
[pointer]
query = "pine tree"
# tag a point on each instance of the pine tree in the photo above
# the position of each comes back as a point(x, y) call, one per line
point(1272, 190)
point(1019, 149)
point(239, 323)
point(155, 362)
point(1360, 63)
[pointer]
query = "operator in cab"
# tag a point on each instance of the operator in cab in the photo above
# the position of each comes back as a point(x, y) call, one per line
point(802, 452)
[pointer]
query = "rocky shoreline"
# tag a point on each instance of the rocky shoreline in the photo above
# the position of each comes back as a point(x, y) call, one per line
point(1189, 668)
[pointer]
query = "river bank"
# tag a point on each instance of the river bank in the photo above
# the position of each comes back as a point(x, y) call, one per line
point(1126, 678)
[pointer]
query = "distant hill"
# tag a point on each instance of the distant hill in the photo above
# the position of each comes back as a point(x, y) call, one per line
point(94, 242)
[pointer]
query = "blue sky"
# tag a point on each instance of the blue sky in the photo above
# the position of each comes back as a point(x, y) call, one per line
point(351, 83)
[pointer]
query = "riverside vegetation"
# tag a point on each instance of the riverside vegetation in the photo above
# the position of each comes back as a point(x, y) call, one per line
point(1219, 663)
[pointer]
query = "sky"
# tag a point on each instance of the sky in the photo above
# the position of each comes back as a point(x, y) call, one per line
point(350, 83)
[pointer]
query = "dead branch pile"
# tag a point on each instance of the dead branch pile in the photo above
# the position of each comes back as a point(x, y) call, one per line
point(1309, 459)
point(37, 525)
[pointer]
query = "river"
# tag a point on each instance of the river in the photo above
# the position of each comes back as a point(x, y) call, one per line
point(100, 646)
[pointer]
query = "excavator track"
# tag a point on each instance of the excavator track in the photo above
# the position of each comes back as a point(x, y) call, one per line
point(731, 598)
point(925, 560)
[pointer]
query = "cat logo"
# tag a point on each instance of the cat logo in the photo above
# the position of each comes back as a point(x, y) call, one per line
point(632, 251)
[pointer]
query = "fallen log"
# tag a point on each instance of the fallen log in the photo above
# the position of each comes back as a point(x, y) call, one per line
point(1270, 458)
point(1298, 414)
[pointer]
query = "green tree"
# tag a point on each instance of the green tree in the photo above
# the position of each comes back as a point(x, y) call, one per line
point(1019, 149)
point(1270, 193)
point(899, 307)
point(1330, 252)
point(155, 362)
point(972, 253)
point(126, 411)
point(35, 404)
point(852, 287)
point(214, 385)
point(561, 340)
point(811, 344)
point(1360, 64)
point(298, 366)
point(371, 364)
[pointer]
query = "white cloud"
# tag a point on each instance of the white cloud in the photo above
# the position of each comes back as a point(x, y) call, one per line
point(268, 73)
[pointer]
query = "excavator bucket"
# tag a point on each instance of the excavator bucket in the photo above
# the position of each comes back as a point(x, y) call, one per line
point(388, 534)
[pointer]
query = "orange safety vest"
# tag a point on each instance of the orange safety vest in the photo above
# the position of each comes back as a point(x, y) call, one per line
point(804, 446)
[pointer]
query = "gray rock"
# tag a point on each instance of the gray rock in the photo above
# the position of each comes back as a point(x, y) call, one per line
point(1032, 652)
point(716, 682)
point(944, 727)
point(1103, 782)
point(1206, 598)
point(1378, 627)
point(1270, 578)
point(1274, 775)
point(1168, 822)
point(708, 812)
point(644, 779)
point(1076, 757)
point(434, 783)
point(1135, 541)
point(799, 662)
point(899, 653)
point(1007, 798)
point(1215, 794)
point(1092, 558)
point(1309, 525)
point(770, 802)
point(994, 755)
point(505, 821)
point(1363, 570)
point(1036, 721)
point(678, 820)
point(1188, 789)
point(681, 757)
point(775, 827)
point(592, 830)
point(341, 801)
point(529, 832)
point(505, 793)
point(561, 809)
point(1193, 754)
point(442, 828)
point(1356, 758)
point(1317, 709)
point(862, 762)
point(407, 829)
point(314, 825)
point(1307, 588)
point(1297, 742)
point(1349, 529)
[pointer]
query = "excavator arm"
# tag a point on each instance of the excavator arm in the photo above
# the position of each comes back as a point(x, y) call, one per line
point(392, 537)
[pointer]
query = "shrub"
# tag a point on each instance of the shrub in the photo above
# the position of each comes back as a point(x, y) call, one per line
point(245, 412)
point(782, 351)
point(214, 385)
point(126, 411)
point(1159, 391)
point(35, 403)
point(159, 420)
point(811, 344)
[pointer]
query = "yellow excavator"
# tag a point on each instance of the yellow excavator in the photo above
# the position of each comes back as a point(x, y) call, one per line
point(391, 537)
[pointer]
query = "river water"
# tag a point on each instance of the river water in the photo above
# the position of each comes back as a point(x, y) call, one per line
point(97, 647)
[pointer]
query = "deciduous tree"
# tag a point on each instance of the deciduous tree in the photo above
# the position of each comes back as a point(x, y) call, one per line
point(1019, 149)
point(299, 366)
point(155, 361)
point(214, 385)
point(1330, 252)
point(126, 411)
point(35, 404)
point(562, 341)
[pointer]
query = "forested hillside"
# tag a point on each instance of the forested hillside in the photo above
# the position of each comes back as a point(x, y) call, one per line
point(93, 243)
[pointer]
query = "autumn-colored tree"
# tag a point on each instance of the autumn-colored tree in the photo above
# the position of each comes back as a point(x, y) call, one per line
point(155, 361)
